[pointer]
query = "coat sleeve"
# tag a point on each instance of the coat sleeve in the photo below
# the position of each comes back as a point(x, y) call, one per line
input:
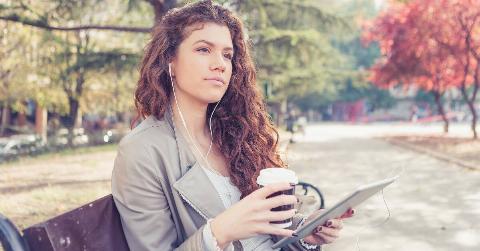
point(144, 211)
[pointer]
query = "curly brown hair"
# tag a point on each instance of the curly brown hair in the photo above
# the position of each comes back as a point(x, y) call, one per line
point(241, 127)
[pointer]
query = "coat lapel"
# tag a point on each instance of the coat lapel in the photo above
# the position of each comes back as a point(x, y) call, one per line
point(196, 188)
point(194, 185)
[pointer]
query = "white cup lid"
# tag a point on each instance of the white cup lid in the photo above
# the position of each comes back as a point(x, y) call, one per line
point(275, 175)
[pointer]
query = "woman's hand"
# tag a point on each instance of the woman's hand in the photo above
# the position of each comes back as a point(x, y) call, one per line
point(329, 231)
point(252, 216)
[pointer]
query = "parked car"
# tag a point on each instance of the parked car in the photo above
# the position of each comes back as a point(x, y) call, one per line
point(20, 145)
point(60, 138)
point(8, 150)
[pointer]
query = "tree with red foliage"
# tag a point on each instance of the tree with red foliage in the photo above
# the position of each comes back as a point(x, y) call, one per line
point(431, 44)
point(461, 36)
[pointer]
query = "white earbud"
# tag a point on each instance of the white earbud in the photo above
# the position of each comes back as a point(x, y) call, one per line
point(170, 70)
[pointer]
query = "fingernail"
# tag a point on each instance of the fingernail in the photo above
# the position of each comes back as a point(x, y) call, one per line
point(329, 223)
point(295, 234)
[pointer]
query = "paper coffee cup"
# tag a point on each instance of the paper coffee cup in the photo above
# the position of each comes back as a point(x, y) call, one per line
point(275, 175)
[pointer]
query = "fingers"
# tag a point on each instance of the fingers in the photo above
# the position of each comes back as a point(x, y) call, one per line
point(267, 190)
point(315, 239)
point(280, 200)
point(280, 215)
point(324, 238)
point(270, 229)
point(349, 213)
point(334, 223)
point(327, 231)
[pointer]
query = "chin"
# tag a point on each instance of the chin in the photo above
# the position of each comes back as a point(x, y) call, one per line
point(214, 98)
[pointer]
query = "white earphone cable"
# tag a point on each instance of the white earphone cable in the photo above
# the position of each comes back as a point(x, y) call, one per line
point(389, 214)
point(205, 158)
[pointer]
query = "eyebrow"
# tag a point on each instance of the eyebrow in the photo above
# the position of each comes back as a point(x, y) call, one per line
point(212, 44)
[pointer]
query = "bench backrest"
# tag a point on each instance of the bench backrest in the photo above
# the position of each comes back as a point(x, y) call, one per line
point(94, 226)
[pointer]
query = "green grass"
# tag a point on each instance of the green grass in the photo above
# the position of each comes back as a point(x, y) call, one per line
point(37, 205)
point(62, 153)
point(89, 149)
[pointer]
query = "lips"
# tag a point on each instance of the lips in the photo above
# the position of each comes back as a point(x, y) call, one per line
point(216, 79)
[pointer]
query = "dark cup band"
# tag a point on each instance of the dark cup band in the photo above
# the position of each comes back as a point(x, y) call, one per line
point(290, 191)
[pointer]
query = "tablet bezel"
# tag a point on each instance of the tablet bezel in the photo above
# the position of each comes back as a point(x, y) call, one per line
point(358, 196)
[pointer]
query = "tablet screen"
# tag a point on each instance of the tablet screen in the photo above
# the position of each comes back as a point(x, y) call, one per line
point(358, 196)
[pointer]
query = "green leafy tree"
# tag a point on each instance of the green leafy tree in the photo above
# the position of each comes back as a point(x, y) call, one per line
point(74, 55)
point(17, 77)
point(290, 47)
point(347, 78)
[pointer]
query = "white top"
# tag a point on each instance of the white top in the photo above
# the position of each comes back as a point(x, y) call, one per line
point(225, 188)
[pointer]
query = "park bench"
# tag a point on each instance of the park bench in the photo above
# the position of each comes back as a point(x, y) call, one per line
point(95, 226)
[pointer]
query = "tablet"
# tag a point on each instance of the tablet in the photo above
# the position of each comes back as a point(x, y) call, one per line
point(361, 194)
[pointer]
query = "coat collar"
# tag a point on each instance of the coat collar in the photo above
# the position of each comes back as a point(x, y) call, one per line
point(196, 188)
point(194, 185)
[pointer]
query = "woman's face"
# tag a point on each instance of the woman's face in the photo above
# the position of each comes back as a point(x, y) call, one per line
point(202, 67)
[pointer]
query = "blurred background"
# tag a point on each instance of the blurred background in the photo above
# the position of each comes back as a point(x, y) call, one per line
point(365, 87)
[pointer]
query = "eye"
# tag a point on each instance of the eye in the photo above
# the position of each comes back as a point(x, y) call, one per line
point(228, 56)
point(203, 49)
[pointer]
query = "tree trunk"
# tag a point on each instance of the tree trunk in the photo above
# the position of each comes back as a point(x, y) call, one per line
point(474, 121)
point(5, 117)
point(474, 97)
point(160, 7)
point(41, 118)
point(22, 119)
point(471, 107)
point(440, 109)
point(72, 119)
point(74, 92)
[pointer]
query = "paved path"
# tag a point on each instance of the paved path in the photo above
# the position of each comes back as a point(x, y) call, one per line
point(434, 205)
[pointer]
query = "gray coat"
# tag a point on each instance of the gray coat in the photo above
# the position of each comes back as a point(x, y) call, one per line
point(163, 196)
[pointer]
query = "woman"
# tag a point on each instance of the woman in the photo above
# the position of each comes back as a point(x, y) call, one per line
point(184, 179)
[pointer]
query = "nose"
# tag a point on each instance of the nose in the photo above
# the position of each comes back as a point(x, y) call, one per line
point(218, 62)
